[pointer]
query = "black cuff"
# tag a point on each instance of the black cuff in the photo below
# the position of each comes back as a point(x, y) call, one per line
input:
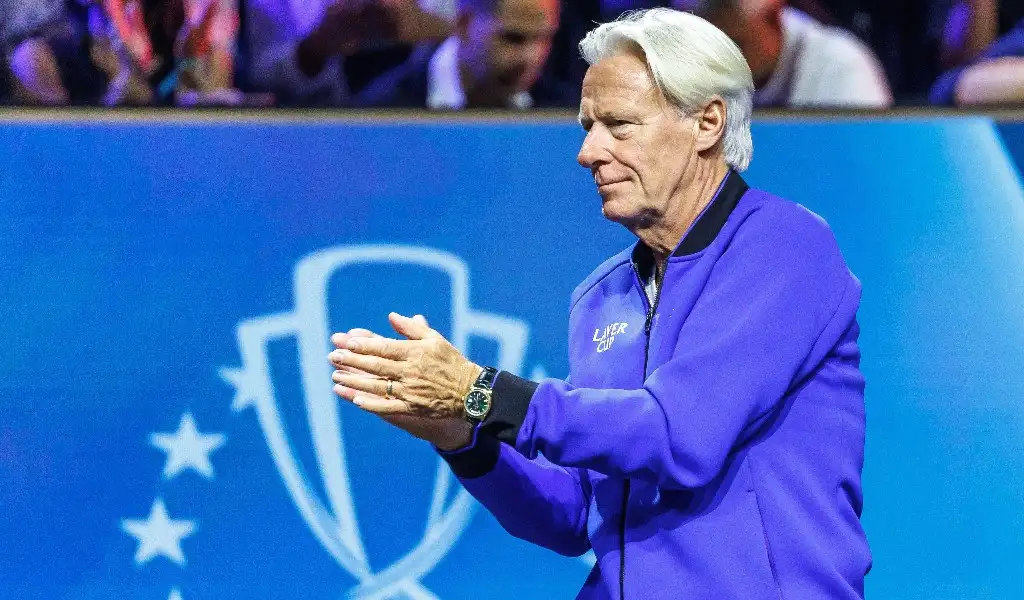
point(477, 459)
point(510, 400)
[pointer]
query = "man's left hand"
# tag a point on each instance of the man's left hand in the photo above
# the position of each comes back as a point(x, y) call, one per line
point(429, 377)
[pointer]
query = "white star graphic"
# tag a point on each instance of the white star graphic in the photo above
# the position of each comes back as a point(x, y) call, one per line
point(175, 595)
point(187, 448)
point(158, 535)
point(247, 386)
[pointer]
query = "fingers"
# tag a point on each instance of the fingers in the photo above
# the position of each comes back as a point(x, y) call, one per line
point(379, 346)
point(346, 392)
point(414, 329)
point(381, 406)
point(354, 371)
point(344, 360)
point(340, 339)
point(356, 396)
point(372, 402)
point(363, 385)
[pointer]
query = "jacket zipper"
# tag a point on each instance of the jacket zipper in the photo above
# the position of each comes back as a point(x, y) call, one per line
point(647, 348)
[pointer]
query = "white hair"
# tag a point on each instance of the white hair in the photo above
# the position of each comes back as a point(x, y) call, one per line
point(691, 61)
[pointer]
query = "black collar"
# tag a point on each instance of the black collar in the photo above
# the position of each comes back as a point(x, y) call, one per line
point(706, 229)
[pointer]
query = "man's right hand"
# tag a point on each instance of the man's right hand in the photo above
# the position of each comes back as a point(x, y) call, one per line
point(444, 434)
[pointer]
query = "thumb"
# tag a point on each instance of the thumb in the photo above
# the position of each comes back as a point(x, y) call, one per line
point(414, 329)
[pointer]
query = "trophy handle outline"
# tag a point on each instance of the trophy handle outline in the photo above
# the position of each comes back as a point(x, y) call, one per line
point(254, 387)
point(337, 530)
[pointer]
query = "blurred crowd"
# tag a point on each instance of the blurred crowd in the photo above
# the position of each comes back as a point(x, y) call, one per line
point(515, 54)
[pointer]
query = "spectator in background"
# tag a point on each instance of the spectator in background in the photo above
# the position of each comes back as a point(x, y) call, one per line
point(971, 26)
point(111, 53)
point(183, 49)
point(797, 62)
point(996, 78)
point(493, 60)
point(32, 32)
point(122, 52)
point(297, 49)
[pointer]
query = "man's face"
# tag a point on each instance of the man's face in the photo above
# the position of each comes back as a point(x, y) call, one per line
point(506, 51)
point(638, 147)
point(753, 25)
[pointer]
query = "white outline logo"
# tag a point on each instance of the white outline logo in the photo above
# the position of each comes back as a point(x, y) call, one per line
point(334, 524)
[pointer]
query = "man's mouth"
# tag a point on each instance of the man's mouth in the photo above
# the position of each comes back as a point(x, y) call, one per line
point(605, 184)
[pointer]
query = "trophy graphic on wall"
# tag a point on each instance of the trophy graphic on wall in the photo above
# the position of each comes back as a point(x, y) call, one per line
point(328, 506)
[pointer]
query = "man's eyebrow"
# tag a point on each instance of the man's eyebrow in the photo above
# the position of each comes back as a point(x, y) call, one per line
point(614, 113)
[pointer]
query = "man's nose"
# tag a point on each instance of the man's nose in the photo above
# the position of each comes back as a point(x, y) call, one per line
point(592, 152)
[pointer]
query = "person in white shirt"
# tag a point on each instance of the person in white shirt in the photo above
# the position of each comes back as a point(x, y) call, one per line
point(798, 62)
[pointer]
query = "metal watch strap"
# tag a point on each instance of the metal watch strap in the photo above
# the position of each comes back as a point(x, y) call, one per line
point(486, 378)
point(481, 390)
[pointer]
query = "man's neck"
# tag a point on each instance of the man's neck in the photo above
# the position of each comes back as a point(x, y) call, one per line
point(664, 236)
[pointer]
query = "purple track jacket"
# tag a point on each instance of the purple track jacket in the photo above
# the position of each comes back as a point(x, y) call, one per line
point(708, 446)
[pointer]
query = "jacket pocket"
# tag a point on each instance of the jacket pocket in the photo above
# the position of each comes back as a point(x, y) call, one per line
point(755, 505)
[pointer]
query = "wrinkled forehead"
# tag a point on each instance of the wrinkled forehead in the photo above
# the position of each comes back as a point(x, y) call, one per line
point(620, 82)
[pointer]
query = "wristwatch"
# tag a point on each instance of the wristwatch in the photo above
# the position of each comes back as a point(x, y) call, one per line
point(477, 402)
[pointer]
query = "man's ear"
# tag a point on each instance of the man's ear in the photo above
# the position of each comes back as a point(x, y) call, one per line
point(710, 124)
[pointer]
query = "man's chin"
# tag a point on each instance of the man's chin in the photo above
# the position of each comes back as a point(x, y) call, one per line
point(618, 210)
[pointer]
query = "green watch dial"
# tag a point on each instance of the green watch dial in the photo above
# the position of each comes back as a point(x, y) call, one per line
point(477, 404)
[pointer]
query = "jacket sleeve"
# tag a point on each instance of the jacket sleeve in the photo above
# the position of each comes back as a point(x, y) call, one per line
point(532, 499)
point(776, 302)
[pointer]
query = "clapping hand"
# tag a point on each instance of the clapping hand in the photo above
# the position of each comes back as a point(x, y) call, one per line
point(427, 377)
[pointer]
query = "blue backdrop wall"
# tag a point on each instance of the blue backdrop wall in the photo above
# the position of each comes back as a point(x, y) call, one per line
point(168, 429)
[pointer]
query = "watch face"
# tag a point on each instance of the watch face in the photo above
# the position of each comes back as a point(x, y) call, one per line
point(477, 404)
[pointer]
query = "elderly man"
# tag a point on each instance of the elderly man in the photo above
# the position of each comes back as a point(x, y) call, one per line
point(709, 440)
